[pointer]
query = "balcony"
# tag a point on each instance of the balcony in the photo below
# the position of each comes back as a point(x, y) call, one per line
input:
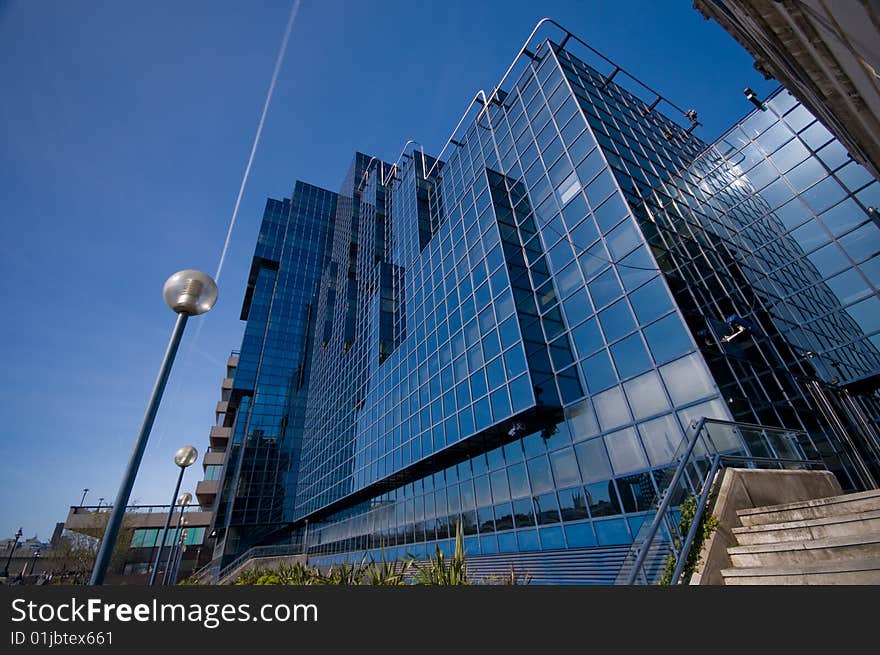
point(222, 408)
point(220, 436)
point(214, 458)
point(227, 384)
point(232, 362)
point(206, 492)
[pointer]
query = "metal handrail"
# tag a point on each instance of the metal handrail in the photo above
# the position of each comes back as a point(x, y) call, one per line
point(132, 509)
point(720, 462)
point(262, 551)
point(684, 460)
point(664, 504)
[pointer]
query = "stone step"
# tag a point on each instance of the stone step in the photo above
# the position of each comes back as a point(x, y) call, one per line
point(863, 501)
point(809, 529)
point(850, 572)
point(795, 553)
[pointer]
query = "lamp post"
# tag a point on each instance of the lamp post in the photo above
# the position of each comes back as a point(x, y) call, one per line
point(183, 501)
point(11, 551)
point(83, 499)
point(174, 558)
point(184, 457)
point(34, 560)
point(188, 293)
point(179, 559)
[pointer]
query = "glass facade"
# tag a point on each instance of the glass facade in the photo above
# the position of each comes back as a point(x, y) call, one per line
point(261, 469)
point(516, 338)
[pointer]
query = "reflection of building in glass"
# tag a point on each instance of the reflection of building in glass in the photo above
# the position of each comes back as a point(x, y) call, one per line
point(786, 291)
point(824, 52)
point(262, 425)
point(515, 338)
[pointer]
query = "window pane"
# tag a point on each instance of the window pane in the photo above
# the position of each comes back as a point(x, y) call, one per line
point(661, 438)
point(646, 396)
point(611, 408)
point(602, 499)
point(519, 482)
point(573, 503)
point(565, 468)
point(630, 356)
point(582, 421)
point(667, 339)
point(593, 460)
point(636, 492)
point(687, 379)
point(539, 474)
point(625, 451)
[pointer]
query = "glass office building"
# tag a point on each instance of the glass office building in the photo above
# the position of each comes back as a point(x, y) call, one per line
point(516, 337)
point(261, 433)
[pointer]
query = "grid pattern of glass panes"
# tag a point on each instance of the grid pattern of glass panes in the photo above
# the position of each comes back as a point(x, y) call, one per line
point(577, 249)
point(773, 225)
point(261, 468)
point(616, 347)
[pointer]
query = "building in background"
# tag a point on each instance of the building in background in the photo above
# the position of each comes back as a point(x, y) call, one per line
point(136, 548)
point(260, 431)
point(73, 549)
point(516, 337)
point(825, 53)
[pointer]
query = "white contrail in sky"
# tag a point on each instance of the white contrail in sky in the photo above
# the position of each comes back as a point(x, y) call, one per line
point(247, 171)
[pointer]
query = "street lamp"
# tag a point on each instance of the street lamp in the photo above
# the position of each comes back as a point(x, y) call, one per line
point(34, 560)
point(12, 550)
point(183, 501)
point(176, 552)
point(184, 457)
point(172, 577)
point(83, 499)
point(188, 293)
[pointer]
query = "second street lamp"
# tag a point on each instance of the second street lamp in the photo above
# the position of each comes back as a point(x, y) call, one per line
point(182, 502)
point(12, 550)
point(184, 457)
point(188, 293)
point(171, 567)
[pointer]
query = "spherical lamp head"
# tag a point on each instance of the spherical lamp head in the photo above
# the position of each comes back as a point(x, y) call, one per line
point(184, 499)
point(185, 456)
point(190, 292)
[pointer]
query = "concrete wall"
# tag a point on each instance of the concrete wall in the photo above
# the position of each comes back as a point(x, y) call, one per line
point(747, 488)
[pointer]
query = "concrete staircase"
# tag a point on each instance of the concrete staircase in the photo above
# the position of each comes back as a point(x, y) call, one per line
point(826, 541)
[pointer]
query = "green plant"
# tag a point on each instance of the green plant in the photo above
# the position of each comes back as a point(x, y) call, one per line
point(436, 571)
point(297, 574)
point(708, 523)
point(252, 576)
point(387, 573)
point(514, 578)
point(345, 574)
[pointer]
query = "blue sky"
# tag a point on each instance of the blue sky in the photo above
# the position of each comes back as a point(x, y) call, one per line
point(124, 131)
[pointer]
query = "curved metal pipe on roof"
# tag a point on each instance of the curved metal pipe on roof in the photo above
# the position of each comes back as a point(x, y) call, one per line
point(402, 153)
point(481, 94)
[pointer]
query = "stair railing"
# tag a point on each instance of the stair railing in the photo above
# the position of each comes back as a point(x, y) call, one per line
point(708, 446)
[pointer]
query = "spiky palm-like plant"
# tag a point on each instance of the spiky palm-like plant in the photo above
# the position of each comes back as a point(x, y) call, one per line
point(437, 572)
point(387, 573)
point(346, 573)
